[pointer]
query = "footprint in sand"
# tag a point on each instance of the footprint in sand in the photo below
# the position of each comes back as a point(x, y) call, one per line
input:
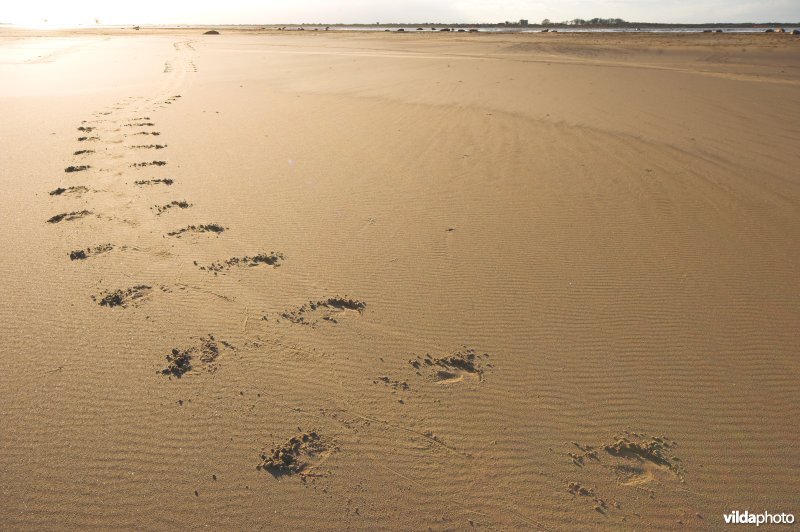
point(82, 254)
point(399, 388)
point(180, 204)
point(151, 163)
point(579, 490)
point(123, 297)
point(301, 455)
point(633, 459)
point(81, 168)
point(68, 216)
point(77, 190)
point(459, 366)
point(148, 147)
point(204, 228)
point(202, 355)
point(638, 459)
point(325, 310)
point(166, 182)
point(171, 99)
point(272, 258)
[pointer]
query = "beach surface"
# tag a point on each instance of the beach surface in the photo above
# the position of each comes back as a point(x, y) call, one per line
point(272, 280)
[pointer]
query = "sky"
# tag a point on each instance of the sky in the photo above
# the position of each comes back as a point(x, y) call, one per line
point(64, 12)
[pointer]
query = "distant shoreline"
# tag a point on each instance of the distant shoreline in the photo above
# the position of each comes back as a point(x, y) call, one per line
point(464, 25)
point(494, 29)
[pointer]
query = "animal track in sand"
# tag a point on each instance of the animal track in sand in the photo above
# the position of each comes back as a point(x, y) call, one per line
point(395, 385)
point(203, 355)
point(458, 366)
point(392, 383)
point(123, 297)
point(181, 204)
point(272, 258)
point(300, 455)
point(148, 147)
point(81, 254)
point(80, 189)
point(83, 152)
point(644, 458)
point(154, 133)
point(139, 124)
point(633, 458)
point(328, 310)
point(81, 168)
point(167, 182)
point(151, 163)
point(582, 491)
point(84, 139)
point(68, 216)
point(205, 228)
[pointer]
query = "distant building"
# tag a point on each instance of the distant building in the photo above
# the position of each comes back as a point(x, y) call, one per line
point(523, 22)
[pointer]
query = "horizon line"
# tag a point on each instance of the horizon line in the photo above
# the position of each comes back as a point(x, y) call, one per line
point(428, 23)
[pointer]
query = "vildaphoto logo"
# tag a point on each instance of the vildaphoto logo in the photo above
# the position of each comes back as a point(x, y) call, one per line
point(765, 518)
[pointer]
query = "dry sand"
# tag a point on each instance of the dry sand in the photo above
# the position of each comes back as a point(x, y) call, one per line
point(540, 244)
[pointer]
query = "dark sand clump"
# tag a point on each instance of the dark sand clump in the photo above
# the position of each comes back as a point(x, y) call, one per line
point(577, 489)
point(179, 362)
point(151, 163)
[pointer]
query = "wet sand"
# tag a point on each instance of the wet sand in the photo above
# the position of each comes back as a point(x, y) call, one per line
point(277, 280)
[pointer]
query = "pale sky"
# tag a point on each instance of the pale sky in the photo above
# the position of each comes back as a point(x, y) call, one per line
point(370, 11)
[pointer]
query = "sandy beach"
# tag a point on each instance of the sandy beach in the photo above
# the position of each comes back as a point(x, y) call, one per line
point(272, 280)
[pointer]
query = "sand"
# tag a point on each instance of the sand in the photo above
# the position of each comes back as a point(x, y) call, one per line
point(398, 281)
